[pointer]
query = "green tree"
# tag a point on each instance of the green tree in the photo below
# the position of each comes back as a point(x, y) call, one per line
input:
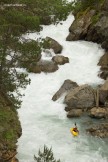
point(15, 21)
point(46, 155)
point(13, 52)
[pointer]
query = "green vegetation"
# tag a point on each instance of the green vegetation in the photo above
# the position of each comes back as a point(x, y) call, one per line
point(46, 155)
point(15, 20)
point(39, 11)
point(81, 5)
point(9, 126)
point(95, 18)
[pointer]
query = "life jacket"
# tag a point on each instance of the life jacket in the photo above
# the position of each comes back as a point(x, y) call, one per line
point(75, 129)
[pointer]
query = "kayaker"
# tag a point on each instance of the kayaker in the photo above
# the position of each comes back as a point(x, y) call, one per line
point(75, 129)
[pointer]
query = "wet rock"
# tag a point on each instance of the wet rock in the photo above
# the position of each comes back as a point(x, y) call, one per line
point(105, 44)
point(34, 69)
point(61, 60)
point(103, 93)
point(91, 25)
point(54, 45)
point(68, 108)
point(81, 97)
point(74, 113)
point(45, 66)
point(67, 86)
point(99, 130)
point(103, 62)
point(104, 74)
point(99, 112)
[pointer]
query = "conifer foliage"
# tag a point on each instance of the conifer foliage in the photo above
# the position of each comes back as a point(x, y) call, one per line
point(45, 156)
point(18, 17)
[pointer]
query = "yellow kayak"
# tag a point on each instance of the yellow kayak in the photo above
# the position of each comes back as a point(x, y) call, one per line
point(73, 132)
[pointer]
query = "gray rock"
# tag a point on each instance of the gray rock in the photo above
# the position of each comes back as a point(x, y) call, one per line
point(67, 86)
point(61, 60)
point(103, 62)
point(45, 66)
point(81, 97)
point(99, 130)
point(54, 45)
point(74, 113)
point(79, 27)
point(99, 112)
point(103, 92)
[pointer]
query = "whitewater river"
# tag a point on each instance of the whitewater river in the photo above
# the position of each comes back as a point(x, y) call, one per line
point(44, 121)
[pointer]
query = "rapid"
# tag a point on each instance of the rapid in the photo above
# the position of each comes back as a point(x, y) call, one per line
point(44, 121)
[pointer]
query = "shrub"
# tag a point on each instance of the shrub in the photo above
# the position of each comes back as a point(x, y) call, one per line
point(46, 155)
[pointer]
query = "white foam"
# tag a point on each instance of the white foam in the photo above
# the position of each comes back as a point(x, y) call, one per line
point(44, 121)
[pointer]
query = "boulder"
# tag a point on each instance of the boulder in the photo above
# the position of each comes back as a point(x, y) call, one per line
point(68, 108)
point(103, 62)
point(45, 66)
point(99, 112)
point(61, 60)
point(105, 44)
point(98, 31)
point(103, 93)
point(81, 97)
point(54, 45)
point(91, 25)
point(104, 74)
point(80, 26)
point(67, 86)
point(99, 130)
point(74, 113)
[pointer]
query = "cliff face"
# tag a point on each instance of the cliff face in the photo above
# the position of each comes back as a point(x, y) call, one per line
point(92, 25)
point(10, 130)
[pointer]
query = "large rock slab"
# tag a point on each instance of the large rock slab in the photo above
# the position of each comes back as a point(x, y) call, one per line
point(80, 26)
point(99, 130)
point(91, 26)
point(99, 112)
point(54, 45)
point(81, 97)
point(98, 32)
point(67, 86)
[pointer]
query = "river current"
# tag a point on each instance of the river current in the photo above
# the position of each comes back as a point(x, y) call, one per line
point(43, 120)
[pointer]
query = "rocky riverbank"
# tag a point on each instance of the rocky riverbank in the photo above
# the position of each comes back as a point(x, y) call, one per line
point(10, 130)
point(92, 25)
